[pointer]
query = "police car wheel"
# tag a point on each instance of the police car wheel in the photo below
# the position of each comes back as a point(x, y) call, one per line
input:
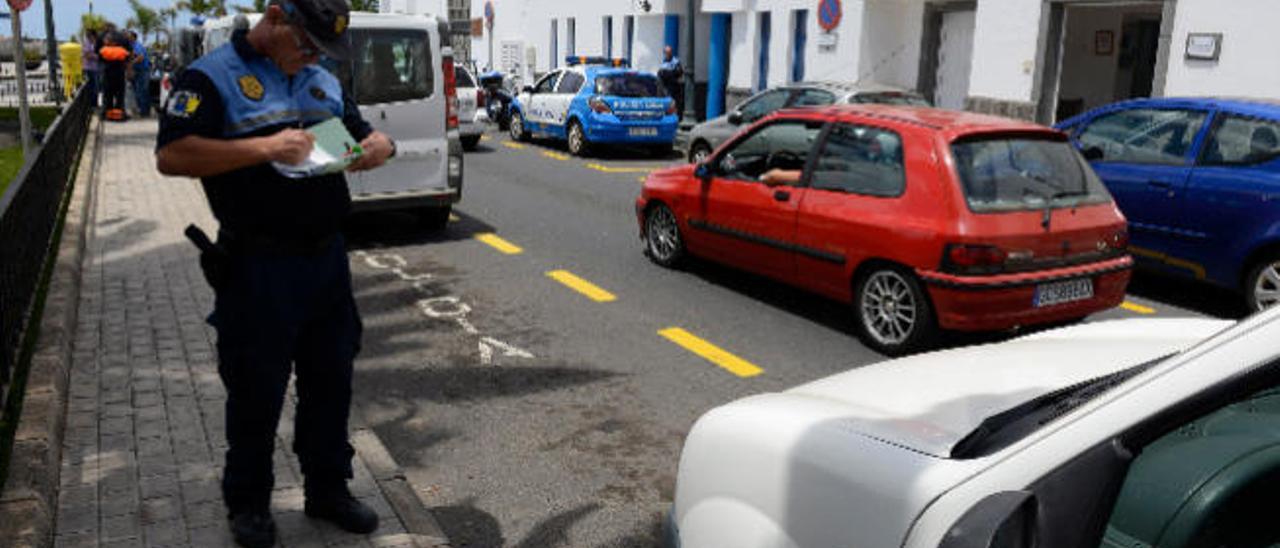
point(662, 240)
point(577, 140)
point(517, 127)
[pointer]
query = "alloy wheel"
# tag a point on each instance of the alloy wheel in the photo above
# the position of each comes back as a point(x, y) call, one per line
point(1266, 286)
point(576, 140)
point(888, 308)
point(517, 126)
point(662, 235)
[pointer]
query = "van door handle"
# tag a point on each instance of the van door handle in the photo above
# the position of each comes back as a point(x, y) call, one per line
point(781, 195)
point(384, 115)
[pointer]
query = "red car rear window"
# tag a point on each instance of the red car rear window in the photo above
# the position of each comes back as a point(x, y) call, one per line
point(1024, 173)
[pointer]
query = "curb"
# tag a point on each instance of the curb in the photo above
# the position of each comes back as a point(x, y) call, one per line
point(418, 521)
point(28, 503)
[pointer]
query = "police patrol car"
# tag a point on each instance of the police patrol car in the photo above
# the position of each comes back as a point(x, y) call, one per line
point(595, 100)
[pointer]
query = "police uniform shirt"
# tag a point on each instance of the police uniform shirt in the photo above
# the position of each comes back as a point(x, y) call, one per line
point(235, 92)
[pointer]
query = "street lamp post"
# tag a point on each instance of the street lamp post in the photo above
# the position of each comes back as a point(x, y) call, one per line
point(51, 52)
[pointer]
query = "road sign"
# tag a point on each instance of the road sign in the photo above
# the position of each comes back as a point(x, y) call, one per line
point(829, 14)
point(488, 13)
point(19, 5)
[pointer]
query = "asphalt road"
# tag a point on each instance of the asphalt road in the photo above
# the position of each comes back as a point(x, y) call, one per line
point(532, 408)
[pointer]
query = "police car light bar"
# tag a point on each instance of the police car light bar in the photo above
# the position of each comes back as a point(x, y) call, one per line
point(574, 60)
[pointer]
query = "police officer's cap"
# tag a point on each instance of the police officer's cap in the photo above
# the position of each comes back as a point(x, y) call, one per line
point(325, 23)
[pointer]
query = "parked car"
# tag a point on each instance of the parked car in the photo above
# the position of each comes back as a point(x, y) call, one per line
point(920, 218)
point(473, 118)
point(596, 101)
point(401, 75)
point(1127, 433)
point(1199, 180)
point(708, 135)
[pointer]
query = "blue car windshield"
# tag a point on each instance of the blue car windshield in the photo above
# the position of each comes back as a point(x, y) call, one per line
point(630, 85)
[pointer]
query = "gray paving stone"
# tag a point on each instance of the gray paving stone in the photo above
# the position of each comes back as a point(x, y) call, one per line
point(122, 527)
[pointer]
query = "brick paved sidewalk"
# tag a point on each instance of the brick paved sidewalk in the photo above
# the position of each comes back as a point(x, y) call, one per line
point(143, 448)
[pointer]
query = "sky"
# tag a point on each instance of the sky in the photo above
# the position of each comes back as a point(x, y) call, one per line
point(66, 15)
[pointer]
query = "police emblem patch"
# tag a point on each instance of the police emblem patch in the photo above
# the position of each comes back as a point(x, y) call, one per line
point(318, 93)
point(183, 104)
point(250, 87)
point(340, 24)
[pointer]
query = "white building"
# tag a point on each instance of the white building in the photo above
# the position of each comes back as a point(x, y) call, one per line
point(1034, 59)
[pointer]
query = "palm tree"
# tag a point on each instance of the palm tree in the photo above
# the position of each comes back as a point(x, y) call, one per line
point(203, 7)
point(145, 20)
point(364, 5)
point(258, 6)
point(93, 22)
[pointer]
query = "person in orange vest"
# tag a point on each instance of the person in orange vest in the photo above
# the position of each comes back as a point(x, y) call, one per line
point(115, 59)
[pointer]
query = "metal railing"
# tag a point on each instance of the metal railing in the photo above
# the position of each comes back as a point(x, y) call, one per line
point(29, 210)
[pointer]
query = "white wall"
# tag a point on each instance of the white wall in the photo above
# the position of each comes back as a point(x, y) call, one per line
point(1248, 65)
point(891, 35)
point(1004, 49)
point(743, 50)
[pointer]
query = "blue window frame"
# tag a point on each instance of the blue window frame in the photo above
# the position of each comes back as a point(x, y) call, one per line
point(607, 36)
point(766, 24)
point(800, 36)
point(555, 43)
point(628, 36)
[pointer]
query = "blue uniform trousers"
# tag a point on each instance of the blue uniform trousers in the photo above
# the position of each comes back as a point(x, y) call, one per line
point(279, 313)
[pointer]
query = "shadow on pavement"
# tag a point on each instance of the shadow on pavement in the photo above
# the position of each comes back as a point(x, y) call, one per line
point(466, 525)
point(1200, 297)
point(460, 383)
point(372, 229)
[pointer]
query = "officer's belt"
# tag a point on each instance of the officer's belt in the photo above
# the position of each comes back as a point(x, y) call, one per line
point(239, 243)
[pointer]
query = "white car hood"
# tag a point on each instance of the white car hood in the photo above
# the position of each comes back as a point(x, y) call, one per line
point(929, 402)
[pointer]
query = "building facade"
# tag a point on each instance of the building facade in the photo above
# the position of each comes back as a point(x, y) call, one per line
point(1034, 59)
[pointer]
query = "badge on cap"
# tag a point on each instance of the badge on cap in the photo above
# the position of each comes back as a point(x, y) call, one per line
point(250, 87)
point(339, 24)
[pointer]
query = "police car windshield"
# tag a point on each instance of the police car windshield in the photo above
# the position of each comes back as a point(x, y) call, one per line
point(629, 85)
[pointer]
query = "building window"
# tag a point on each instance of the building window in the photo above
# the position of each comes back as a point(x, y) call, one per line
point(570, 29)
point(607, 36)
point(555, 44)
point(628, 36)
point(766, 24)
point(798, 39)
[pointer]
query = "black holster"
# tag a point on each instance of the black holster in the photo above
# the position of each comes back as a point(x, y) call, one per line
point(215, 262)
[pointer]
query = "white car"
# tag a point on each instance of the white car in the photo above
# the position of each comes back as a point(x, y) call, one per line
point(473, 118)
point(1133, 433)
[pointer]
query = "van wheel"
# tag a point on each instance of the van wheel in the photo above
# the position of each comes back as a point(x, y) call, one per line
point(469, 142)
point(517, 127)
point(662, 241)
point(578, 144)
point(434, 218)
point(1262, 287)
point(892, 312)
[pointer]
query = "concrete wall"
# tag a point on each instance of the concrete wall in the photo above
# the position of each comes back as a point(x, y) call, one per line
point(1248, 65)
point(1004, 50)
point(891, 34)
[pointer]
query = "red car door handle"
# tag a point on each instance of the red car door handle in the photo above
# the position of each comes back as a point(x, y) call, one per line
point(782, 195)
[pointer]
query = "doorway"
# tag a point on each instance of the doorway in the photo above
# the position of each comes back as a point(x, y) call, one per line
point(946, 47)
point(1107, 53)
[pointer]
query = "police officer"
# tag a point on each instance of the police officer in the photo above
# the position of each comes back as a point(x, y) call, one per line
point(671, 73)
point(283, 299)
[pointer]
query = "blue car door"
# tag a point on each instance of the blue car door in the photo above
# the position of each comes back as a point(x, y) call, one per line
point(1145, 157)
point(1233, 199)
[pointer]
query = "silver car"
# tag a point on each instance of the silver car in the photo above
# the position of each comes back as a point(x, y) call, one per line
point(708, 135)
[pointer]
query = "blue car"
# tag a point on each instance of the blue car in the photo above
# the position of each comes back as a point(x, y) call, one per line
point(1199, 181)
point(596, 101)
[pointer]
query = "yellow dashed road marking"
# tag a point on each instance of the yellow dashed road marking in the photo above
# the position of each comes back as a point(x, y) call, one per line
point(711, 352)
point(510, 144)
point(592, 291)
point(498, 243)
point(1135, 307)
point(608, 169)
point(555, 155)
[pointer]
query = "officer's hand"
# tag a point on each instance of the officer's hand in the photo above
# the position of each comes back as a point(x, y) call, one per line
point(377, 148)
point(290, 146)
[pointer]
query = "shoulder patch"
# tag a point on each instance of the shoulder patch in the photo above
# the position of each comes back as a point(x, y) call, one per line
point(339, 24)
point(183, 104)
point(250, 87)
point(318, 93)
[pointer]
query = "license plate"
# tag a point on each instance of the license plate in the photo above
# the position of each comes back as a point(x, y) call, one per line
point(1063, 292)
point(643, 132)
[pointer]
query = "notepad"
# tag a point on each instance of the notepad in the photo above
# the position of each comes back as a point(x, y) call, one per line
point(334, 150)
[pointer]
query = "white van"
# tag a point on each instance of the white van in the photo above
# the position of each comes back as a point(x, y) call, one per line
point(401, 75)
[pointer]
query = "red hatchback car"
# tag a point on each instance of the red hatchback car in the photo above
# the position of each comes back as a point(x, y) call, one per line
point(922, 219)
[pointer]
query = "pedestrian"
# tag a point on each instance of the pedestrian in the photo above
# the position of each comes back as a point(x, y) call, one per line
point(671, 72)
point(140, 65)
point(115, 60)
point(91, 64)
point(282, 283)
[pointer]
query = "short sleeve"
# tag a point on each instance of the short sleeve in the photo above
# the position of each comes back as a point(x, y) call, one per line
point(356, 125)
point(194, 108)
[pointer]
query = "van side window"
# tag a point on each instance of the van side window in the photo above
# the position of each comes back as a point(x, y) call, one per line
point(392, 66)
point(861, 160)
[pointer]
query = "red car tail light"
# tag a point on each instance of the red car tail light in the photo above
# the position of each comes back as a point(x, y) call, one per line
point(480, 98)
point(1120, 240)
point(973, 259)
point(598, 105)
point(450, 94)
